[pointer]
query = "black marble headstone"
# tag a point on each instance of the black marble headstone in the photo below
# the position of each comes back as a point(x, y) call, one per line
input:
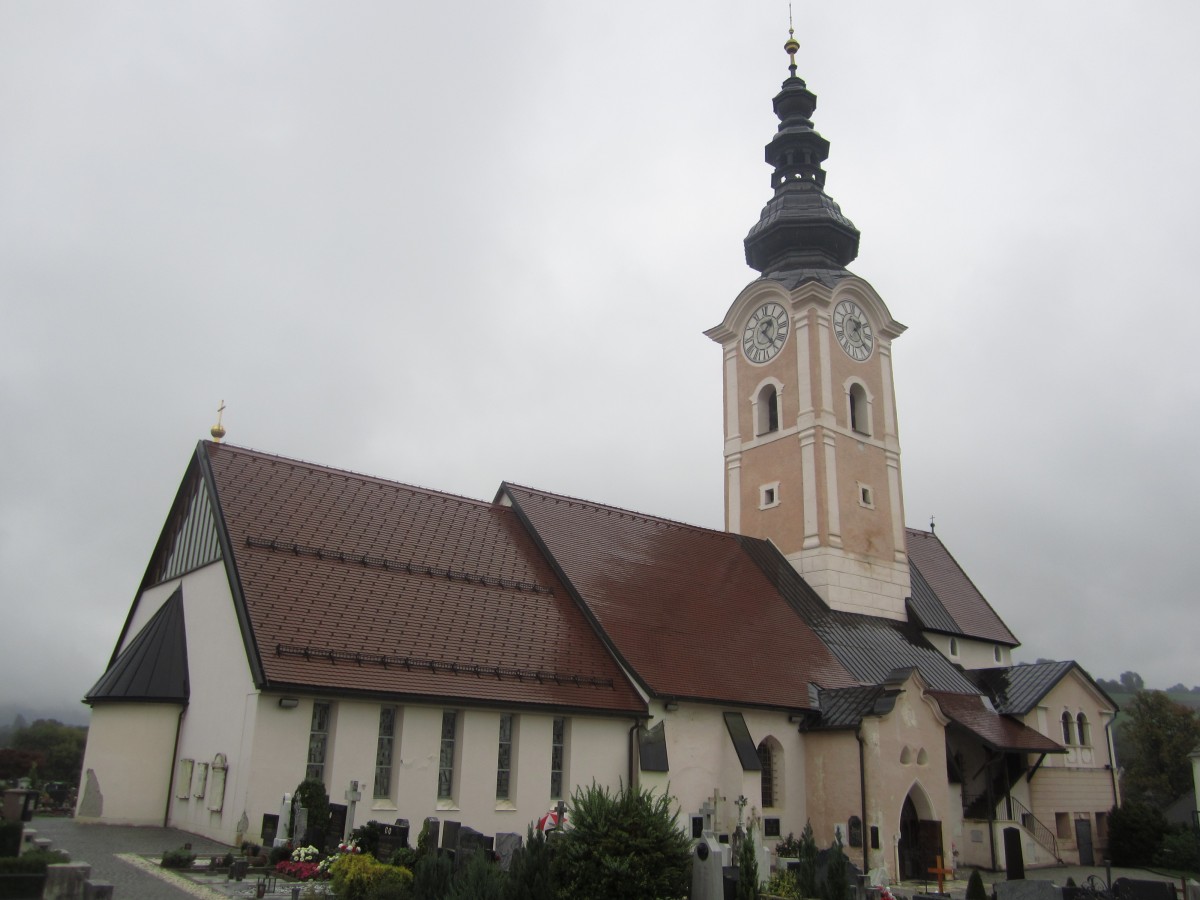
point(337, 827)
point(391, 839)
point(270, 828)
point(1142, 889)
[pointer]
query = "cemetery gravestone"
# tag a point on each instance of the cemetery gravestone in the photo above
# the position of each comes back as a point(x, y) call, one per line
point(471, 842)
point(1139, 889)
point(450, 836)
point(432, 828)
point(300, 826)
point(270, 829)
point(391, 839)
point(1027, 889)
point(507, 843)
point(337, 826)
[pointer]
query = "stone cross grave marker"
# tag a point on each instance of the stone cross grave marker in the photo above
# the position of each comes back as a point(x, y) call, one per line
point(353, 795)
point(285, 818)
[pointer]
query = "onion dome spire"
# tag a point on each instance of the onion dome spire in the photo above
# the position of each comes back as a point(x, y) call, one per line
point(801, 227)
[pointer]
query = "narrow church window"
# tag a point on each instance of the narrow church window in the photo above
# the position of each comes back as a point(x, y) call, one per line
point(954, 646)
point(383, 752)
point(1085, 737)
point(766, 758)
point(768, 410)
point(446, 757)
point(866, 497)
point(860, 419)
point(318, 741)
point(504, 758)
point(996, 652)
point(768, 495)
point(558, 746)
point(856, 831)
point(1068, 728)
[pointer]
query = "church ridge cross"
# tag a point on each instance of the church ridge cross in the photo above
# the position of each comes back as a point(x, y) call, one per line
point(940, 871)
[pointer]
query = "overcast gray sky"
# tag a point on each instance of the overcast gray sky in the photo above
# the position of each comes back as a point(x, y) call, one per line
point(451, 244)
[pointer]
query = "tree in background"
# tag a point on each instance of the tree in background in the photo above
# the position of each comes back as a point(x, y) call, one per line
point(1132, 682)
point(1158, 735)
point(59, 746)
point(1135, 833)
point(17, 763)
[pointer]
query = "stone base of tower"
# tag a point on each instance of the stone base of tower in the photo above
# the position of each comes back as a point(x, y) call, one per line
point(855, 584)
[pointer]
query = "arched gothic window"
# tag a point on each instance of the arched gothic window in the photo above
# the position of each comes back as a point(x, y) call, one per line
point(1068, 727)
point(1085, 737)
point(768, 756)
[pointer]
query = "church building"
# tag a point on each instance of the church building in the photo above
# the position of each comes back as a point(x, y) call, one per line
point(815, 661)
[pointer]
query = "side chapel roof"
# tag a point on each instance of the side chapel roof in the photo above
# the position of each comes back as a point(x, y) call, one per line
point(944, 598)
point(363, 585)
point(153, 668)
point(1017, 690)
point(684, 607)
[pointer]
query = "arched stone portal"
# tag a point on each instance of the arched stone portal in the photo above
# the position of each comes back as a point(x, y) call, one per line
point(920, 835)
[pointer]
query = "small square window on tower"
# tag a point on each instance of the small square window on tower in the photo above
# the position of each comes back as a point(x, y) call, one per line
point(866, 496)
point(768, 495)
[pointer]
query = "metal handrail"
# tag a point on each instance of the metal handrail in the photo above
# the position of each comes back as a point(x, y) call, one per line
point(1035, 827)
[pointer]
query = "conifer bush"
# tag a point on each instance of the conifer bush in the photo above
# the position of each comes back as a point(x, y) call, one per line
point(836, 885)
point(975, 888)
point(747, 883)
point(531, 873)
point(622, 846)
point(806, 874)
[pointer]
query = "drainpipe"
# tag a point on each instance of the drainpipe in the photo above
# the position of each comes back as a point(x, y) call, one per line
point(171, 768)
point(632, 751)
point(862, 796)
point(991, 801)
point(1112, 763)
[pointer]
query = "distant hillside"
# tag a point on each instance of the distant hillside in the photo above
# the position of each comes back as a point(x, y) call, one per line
point(1186, 698)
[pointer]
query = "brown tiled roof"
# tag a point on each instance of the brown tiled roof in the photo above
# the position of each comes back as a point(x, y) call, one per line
point(353, 583)
point(967, 609)
point(1001, 732)
point(687, 608)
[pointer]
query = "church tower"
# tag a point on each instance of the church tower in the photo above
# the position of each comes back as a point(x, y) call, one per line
point(812, 452)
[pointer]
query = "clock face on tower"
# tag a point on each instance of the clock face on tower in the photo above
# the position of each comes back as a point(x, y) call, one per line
point(766, 333)
point(853, 330)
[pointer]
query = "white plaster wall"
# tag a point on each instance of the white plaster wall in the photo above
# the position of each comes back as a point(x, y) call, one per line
point(221, 712)
point(702, 760)
point(971, 654)
point(596, 747)
point(128, 762)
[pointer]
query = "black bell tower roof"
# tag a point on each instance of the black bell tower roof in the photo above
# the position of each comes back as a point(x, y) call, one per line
point(801, 227)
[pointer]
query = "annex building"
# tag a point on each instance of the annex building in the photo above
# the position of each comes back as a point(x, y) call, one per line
point(477, 660)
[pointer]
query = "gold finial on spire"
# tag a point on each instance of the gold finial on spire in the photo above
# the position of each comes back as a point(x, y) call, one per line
point(218, 430)
point(791, 45)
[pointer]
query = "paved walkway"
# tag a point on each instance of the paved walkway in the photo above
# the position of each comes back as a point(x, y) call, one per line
point(1057, 874)
point(112, 852)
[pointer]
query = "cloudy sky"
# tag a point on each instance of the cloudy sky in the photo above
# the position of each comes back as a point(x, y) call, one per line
point(451, 244)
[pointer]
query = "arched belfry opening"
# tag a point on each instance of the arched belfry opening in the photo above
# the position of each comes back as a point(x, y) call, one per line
point(920, 835)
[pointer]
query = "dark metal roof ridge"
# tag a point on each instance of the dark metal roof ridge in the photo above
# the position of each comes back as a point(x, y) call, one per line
point(505, 491)
point(507, 486)
point(981, 678)
point(253, 656)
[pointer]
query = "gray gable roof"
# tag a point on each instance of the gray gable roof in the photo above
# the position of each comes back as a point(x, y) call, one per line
point(870, 648)
point(944, 598)
point(154, 667)
point(1016, 690)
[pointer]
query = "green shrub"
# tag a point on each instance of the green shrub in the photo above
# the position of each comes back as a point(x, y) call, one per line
point(478, 879)
point(783, 883)
point(975, 888)
point(431, 877)
point(394, 883)
point(1180, 850)
point(806, 873)
point(178, 859)
point(355, 875)
point(531, 872)
point(747, 883)
point(310, 794)
point(789, 846)
point(836, 885)
point(367, 838)
point(1135, 833)
point(622, 845)
point(405, 857)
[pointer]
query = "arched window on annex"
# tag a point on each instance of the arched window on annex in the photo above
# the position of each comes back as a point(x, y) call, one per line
point(858, 407)
point(1068, 728)
point(767, 405)
point(770, 754)
point(1085, 735)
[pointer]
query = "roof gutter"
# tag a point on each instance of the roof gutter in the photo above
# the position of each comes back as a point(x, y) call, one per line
point(171, 768)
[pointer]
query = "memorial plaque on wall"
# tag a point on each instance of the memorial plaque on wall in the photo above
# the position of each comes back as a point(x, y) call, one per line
point(337, 826)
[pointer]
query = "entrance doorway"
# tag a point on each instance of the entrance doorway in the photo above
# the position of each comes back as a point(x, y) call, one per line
point(920, 837)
